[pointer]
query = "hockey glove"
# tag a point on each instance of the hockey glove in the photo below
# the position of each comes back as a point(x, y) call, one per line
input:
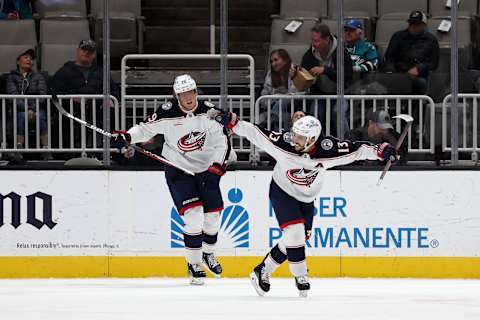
point(217, 169)
point(120, 139)
point(387, 152)
point(227, 119)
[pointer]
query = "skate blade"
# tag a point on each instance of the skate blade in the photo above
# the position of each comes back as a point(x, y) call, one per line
point(303, 293)
point(197, 281)
point(254, 281)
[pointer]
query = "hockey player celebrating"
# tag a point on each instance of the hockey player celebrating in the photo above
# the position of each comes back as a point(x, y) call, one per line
point(302, 156)
point(193, 142)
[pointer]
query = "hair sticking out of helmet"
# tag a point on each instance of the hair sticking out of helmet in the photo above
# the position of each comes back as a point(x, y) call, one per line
point(308, 127)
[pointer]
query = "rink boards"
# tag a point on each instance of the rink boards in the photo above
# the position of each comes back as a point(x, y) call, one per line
point(123, 224)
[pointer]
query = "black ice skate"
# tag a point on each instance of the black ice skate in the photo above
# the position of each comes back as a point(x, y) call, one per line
point(302, 285)
point(212, 264)
point(260, 279)
point(196, 274)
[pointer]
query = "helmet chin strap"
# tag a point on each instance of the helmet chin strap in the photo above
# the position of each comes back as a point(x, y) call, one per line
point(308, 145)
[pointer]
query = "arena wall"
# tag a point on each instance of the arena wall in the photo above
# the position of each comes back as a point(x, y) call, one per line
point(122, 224)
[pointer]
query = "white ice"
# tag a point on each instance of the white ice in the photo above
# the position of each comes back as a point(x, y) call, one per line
point(335, 299)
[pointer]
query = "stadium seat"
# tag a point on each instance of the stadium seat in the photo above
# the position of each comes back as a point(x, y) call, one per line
point(126, 23)
point(62, 8)
point(304, 8)
point(54, 56)
point(394, 7)
point(464, 25)
point(17, 36)
point(386, 27)
point(437, 8)
point(301, 36)
point(59, 40)
point(354, 8)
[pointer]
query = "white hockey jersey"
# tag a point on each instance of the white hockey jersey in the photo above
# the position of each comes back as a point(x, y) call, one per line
point(192, 140)
point(299, 174)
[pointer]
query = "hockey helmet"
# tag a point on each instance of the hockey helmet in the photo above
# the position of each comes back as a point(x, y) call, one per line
point(184, 83)
point(308, 127)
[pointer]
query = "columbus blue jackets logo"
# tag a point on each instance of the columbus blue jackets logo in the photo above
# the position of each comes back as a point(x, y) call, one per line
point(192, 141)
point(234, 231)
point(302, 177)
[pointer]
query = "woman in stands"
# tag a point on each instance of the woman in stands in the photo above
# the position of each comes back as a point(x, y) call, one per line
point(279, 81)
point(25, 81)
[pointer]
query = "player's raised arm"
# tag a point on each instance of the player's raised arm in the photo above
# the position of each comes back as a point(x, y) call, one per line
point(333, 152)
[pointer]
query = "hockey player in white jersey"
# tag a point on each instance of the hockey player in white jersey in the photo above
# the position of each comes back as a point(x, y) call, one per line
point(196, 143)
point(303, 155)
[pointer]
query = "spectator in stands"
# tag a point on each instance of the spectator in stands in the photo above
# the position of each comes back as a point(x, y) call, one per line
point(321, 61)
point(81, 76)
point(279, 81)
point(364, 54)
point(15, 9)
point(378, 129)
point(414, 51)
point(25, 81)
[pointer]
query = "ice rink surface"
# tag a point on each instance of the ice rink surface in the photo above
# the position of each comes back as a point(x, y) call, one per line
point(117, 299)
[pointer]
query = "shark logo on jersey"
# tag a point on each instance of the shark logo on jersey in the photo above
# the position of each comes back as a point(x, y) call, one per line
point(302, 177)
point(234, 231)
point(192, 141)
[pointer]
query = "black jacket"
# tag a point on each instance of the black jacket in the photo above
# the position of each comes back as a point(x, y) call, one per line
point(406, 51)
point(34, 83)
point(69, 79)
point(309, 61)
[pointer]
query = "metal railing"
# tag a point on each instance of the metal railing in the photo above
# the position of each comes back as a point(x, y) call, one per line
point(269, 113)
point(60, 134)
point(180, 57)
point(468, 118)
point(138, 107)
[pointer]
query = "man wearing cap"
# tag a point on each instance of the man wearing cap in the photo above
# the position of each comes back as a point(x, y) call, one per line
point(364, 54)
point(414, 51)
point(378, 129)
point(81, 76)
point(25, 81)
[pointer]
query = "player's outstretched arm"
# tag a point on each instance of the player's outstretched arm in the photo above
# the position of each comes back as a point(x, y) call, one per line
point(334, 152)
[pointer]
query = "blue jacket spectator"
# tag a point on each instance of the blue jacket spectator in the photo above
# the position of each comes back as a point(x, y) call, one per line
point(15, 9)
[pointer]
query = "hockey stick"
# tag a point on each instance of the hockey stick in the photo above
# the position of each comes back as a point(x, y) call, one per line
point(149, 154)
point(409, 120)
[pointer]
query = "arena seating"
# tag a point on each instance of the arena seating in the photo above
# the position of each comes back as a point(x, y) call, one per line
point(394, 7)
point(61, 9)
point(59, 40)
point(305, 8)
point(126, 25)
point(465, 8)
point(17, 36)
point(354, 8)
